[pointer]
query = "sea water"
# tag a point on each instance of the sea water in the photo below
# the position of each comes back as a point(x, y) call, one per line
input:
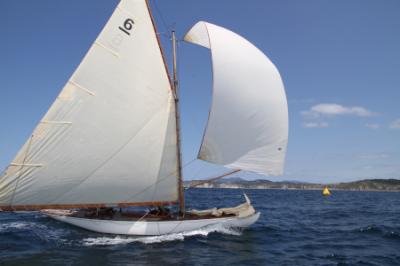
point(296, 227)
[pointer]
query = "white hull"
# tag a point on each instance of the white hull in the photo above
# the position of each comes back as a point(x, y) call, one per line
point(240, 216)
point(152, 228)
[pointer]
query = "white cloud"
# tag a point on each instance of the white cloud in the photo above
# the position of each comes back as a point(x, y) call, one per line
point(395, 124)
point(373, 126)
point(315, 125)
point(333, 109)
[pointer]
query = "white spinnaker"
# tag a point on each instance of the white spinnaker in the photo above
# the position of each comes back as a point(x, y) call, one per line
point(110, 136)
point(248, 122)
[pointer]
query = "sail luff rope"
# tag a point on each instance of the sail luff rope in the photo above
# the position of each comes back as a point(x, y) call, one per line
point(174, 88)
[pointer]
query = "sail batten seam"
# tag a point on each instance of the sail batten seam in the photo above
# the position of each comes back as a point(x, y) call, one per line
point(106, 48)
point(26, 164)
point(56, 122)
point(81, 87)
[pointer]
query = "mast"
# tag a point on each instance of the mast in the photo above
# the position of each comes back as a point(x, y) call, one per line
point(178, 135)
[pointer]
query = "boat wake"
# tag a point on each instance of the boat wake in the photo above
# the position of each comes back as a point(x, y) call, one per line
point(15, 225)
point(34, 229)
point(121, 240)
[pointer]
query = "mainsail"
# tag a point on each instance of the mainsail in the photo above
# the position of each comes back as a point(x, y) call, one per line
point(109, 139)
point(248, 122)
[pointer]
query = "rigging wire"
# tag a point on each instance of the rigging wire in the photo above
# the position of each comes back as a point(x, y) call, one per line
point(159, 180)
point(196, 173)
point(167, 28)
point(188, 163)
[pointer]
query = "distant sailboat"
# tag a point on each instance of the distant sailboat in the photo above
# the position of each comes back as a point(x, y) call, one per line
point(112, 140)
point(326, 192)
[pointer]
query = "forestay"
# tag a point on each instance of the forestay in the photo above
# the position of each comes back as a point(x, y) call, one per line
point(110, 136)
point(248, 122)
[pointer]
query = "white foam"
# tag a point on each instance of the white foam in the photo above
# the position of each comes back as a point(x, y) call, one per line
point(118, 240)
point(14, 225)
point(40, 230)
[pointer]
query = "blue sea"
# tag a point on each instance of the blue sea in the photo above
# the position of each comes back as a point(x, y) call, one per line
point(296, 228)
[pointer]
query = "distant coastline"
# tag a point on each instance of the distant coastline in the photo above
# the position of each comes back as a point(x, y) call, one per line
point(389, 185)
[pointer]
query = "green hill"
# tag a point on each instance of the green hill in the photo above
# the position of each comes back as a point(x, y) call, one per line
point(367, 184)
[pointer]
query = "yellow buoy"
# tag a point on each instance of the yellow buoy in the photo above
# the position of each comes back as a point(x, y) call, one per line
point(326, 192)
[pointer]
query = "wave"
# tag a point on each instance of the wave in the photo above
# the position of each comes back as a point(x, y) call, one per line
point(370, 229)
point(36, 230)
point(118, 240)
point(392, 235)
point(15, 225)
point(384, 231)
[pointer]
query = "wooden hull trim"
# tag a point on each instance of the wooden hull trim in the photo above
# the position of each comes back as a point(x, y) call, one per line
point(74, 206)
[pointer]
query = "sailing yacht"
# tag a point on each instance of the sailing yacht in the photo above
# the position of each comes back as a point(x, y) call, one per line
point(111, 139)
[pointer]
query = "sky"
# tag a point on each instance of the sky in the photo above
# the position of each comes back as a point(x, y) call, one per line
point(339, 61)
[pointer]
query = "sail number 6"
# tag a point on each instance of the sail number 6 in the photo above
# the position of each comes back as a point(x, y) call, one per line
point(128, 24)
